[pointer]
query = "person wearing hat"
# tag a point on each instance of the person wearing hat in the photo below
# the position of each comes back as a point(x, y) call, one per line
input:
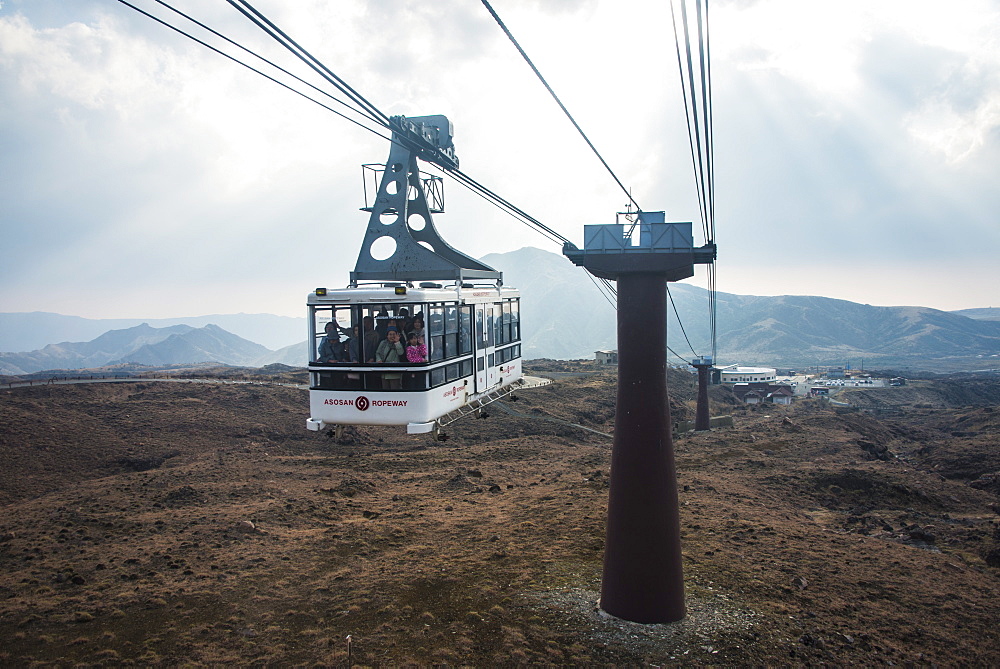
point(391, 350)
point(330, 347)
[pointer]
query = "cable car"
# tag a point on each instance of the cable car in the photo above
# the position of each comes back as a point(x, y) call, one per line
point(423, 334)
point(469, 350)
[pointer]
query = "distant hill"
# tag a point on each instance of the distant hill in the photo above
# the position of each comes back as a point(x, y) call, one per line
point(142, 344)
point(294, 356)
point(35, 330)
point(563, 314)
point(801, 330)
point(984, 314)
point(566, 316)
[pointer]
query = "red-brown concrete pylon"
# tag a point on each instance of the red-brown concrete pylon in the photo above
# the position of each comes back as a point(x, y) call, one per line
point(702, 421)
point(643, 577)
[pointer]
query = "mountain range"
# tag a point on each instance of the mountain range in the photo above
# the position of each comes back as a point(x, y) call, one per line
point(34, 330)
point(564, 315)
point(146, 345)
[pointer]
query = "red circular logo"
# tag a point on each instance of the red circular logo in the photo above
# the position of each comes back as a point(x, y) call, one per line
point(362, 403)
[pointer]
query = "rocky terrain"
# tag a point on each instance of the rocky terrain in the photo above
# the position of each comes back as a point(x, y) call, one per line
point(157, 523)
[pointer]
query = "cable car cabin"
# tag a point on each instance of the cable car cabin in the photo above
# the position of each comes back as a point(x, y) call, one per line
point(470, 348)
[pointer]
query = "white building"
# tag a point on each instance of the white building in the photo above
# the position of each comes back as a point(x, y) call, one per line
point(736, 374)
point(606, 357)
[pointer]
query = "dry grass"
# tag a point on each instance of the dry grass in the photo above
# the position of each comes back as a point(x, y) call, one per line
point(173, 524)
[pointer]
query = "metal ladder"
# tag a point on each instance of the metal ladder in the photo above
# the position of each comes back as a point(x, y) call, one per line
point(477, 404)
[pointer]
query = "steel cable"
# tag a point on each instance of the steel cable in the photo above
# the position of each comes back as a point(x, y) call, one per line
point(555, 97)
point(248, 66)
point(282, 38)
point(369, 111)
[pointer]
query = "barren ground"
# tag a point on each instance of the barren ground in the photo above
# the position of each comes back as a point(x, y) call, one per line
point(160, 523)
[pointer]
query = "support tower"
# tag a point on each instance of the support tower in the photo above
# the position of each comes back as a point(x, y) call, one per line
point(643, 579)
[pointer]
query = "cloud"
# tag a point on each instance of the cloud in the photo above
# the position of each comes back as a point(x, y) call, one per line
point(952, 133)
point(136, 161)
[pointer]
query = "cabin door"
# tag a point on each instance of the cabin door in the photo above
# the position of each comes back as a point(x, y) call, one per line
point(484, 347)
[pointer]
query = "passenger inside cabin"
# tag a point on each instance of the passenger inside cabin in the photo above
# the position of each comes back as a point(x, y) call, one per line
point(353, 345)
point(391, 350)
point(400, 325)
point(370, 339)
point(416, 351)
point(417, 327)
point(381, 323)
point(330, 347)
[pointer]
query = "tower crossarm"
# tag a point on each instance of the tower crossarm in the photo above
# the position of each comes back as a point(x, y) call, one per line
point(401, 242)
point(430, 138)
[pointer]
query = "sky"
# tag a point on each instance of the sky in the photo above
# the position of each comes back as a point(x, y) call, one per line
point(857, 145)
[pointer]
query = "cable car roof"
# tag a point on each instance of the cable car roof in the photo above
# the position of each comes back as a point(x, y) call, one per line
point(388, 294)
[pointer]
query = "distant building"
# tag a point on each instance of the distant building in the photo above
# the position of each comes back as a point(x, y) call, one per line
point(819, 391)
point(763, 393)
point(606, 357)
point(780, 395)
point(736, 374)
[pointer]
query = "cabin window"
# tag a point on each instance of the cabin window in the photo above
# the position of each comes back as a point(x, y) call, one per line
point(505, 323)
point(508, 354)
point(415, 380)
point(496, 314)
point(451, 331)
point(375, 381)
point(515, 320)
point(330, 347)
point(435, 345)
point(465, 330)
point(357, 330)
point(480, 328)
point(339, 380)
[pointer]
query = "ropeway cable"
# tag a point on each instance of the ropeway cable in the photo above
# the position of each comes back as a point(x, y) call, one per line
point(555, 97)
point(691, 115)
point(269, 62)
point(370, 112)
point(279, 36)
point(275, 32)
point(461, 177)
point(702, 148)
point(248, 66)
point(598, 286)
point(472, 183)
point(680, 322)
point(680, 357)
point(504, 206)
point(702, 199)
